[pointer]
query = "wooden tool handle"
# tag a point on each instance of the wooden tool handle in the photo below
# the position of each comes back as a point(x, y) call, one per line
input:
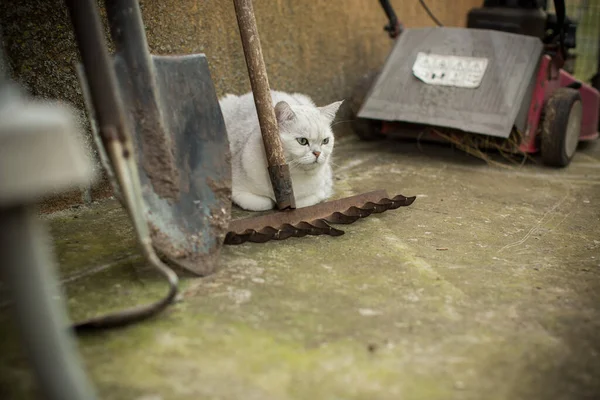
point(278, 169)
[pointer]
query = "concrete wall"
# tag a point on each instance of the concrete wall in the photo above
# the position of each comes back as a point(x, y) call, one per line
point(319, 47)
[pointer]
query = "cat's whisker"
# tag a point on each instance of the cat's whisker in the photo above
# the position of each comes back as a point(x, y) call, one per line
point(294, 163)
point(339, 122)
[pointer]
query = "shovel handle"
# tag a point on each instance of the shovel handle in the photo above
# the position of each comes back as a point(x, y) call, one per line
point(129, 37)
point(279, 171)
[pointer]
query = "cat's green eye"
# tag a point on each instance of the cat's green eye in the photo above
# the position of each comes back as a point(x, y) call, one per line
point(326, 140)
point(303, 141)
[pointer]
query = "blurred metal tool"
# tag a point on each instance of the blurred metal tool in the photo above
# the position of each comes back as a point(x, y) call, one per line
point(39, 155)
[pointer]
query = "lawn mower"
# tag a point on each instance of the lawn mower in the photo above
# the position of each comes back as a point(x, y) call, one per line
point(498, 83)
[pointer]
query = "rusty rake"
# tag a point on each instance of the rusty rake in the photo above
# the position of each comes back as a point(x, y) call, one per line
point(313, 220)
point(289, 221)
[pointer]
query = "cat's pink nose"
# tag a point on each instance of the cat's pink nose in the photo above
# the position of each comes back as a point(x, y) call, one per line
point(317, 153)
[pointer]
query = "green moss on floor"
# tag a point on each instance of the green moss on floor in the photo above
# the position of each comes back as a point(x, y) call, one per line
point(488, 286)
point(97, 235)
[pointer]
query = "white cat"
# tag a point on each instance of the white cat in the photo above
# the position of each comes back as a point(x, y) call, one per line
point(307, 141)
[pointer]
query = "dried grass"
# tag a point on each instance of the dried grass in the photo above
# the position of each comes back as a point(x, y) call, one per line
point(483, 146)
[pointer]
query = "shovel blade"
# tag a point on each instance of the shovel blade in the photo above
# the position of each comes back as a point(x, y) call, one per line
point(182, 154)
point(190, 228)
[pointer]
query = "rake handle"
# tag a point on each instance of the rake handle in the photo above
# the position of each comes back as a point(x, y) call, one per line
point(279, 171)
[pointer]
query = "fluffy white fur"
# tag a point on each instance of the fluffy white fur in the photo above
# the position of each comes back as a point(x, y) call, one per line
point(307, 140)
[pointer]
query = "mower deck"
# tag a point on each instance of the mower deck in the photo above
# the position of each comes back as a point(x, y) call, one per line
point(509, 104)
point(492, 109)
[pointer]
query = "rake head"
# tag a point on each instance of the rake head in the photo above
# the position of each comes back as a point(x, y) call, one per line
point(313, 220)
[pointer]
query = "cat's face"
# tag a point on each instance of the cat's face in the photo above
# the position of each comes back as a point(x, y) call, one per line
point(306, 133)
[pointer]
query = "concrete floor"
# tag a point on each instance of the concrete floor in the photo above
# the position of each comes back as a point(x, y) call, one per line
point(487, 287)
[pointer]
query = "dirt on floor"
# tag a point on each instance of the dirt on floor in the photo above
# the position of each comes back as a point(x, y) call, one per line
point(486, 287)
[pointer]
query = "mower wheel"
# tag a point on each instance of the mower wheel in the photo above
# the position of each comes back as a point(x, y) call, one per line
point(561, 127)
point(596, 85)
point(365, 129)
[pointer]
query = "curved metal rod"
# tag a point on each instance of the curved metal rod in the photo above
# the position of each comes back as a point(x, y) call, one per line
point(135, 314)
point(127, 177)
point(431, 15)
point(394, 27)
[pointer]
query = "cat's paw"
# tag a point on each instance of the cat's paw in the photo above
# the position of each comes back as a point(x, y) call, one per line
point(252, 202)
point(308, 201)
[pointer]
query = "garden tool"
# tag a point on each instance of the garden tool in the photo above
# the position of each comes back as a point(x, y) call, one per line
point(289, 221)
point(101, 93)
point(28, 173)
point(179, 143)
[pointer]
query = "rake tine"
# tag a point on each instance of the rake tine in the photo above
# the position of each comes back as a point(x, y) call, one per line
point(341, 218)
point(330, 230)
point(270, 233)
point(287, 230)
point(379, 207)
point(400, 201)
point(313, 228)
point(256, 237)
point(309, 229)
point(359, 212)
point(267, 231)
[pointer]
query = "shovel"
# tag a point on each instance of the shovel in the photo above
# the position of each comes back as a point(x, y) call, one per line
point(180, 141)
point(289, 221)
point(115, 144)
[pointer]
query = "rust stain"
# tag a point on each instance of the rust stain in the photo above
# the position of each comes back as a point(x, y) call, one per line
point(158, 161)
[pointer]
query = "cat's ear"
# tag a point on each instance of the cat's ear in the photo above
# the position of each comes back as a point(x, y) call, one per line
point(284, 112)
point(330, 110)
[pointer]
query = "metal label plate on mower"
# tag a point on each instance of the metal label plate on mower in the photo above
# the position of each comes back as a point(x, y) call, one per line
point(435, 69)
point(499, 102)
